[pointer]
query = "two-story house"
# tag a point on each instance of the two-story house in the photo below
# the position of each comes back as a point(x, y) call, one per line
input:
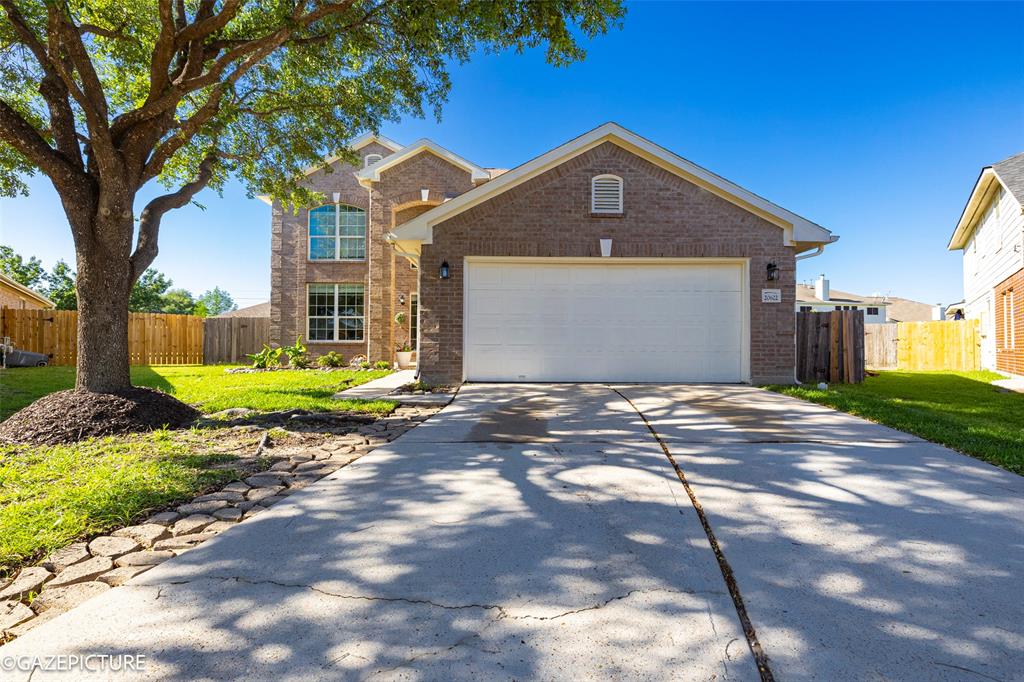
point(608, 258)
point(990, 233)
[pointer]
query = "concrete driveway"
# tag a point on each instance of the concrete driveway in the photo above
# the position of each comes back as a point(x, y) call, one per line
point(540, 532)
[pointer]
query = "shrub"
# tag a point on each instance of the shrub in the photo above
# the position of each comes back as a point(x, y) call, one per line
point(302, 361)
point(268, 357)
point(366, 364)
point(382, 364)
point(331, 359)
point(295, 352)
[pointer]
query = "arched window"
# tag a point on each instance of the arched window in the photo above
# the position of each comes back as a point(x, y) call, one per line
point(337, 232)
point(606, 194)
point(371, 159)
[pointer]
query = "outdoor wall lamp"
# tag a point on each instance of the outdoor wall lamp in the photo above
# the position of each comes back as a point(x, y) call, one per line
point(444, 270)
point(773, 272)
point(401, 299)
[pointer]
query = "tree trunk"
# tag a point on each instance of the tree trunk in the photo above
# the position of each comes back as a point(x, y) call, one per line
point(104, 285)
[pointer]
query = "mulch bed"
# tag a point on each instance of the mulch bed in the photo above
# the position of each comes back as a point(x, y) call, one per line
point(70, 416)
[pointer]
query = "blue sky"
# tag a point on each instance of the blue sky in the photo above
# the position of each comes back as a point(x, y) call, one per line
point(871, 119)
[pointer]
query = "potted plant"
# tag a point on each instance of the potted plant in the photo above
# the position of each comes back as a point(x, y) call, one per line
point(404, 352)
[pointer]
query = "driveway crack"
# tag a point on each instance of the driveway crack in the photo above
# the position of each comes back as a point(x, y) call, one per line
point(760, 657)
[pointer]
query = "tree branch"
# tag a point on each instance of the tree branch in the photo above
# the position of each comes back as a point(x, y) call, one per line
point(149, 221)
point(23, 136)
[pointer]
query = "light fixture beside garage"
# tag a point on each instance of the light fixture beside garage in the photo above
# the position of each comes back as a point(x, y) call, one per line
point(773, 272)
point(443, 274)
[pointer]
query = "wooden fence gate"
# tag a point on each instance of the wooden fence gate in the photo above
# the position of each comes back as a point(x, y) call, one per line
point(229, 339)
point(830, 347)
point(880, 345)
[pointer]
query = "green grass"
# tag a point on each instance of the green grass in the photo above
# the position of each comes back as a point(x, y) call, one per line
point(961, 410)
point(210, 388)
point(52, 496)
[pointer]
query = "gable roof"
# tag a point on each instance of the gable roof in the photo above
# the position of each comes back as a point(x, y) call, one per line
point(25, 291)
point(372, 172)
point(798, 231)
point(355, 145)
point(258, 310)
point(1010, 174)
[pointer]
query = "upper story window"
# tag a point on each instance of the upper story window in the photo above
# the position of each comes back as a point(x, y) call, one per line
point(606, 194)
point(337, 232)
point(371, 159)
point(872, 311)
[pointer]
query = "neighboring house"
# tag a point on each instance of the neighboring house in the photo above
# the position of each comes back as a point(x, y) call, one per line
point(821, 298)
point(606, 259)
point(990, 233)
point(906, 310)
point(258, 310)
point(16, 295)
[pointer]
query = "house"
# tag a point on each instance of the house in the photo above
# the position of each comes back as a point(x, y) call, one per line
point(990, 233)
point(906, 310)
point(16, 295)
point(258, 310)
point(820, 298)
point(607, 258)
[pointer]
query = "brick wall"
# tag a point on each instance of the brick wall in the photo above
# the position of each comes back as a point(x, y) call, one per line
point(393, 200)
point(1010, 359)
point(397, 197)
point(12, 298)
point(665, 216)
point(290, 267)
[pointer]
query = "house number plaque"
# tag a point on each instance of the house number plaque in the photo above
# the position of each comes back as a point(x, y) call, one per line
point(771, 295)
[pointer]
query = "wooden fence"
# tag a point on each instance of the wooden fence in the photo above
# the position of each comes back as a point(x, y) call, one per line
point(880, 345)
point(923, 346)
point(830, 347)
point(229, 339)
point(153, 338)
point(933, 346)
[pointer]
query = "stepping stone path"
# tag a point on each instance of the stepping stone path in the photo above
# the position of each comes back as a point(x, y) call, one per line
point(80, 571)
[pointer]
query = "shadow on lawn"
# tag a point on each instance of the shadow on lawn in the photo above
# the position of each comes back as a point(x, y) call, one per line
point(884, 558)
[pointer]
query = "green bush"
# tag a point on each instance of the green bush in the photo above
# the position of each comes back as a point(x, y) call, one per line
point(302, 361)
point(268, 357)
point(331, 359)
point(296, 354)
point(382, 364)
point(366, 364)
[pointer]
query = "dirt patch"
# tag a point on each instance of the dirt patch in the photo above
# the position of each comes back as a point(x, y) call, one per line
point(71, 416)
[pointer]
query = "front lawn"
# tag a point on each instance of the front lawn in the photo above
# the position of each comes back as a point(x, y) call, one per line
point(209, 388)
point(52, 496)
point(961, 410)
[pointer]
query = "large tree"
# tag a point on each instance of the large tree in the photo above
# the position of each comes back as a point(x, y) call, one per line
point(105, 96)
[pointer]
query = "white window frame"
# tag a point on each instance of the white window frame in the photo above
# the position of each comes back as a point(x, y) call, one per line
point(338, 237)
point(371, 159)
point(607, 193)
point(336, 317)
point(414, 321)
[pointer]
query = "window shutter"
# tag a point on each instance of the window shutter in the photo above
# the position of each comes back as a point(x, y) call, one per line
point(606, 194)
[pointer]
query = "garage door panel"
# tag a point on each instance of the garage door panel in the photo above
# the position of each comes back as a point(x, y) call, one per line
point(602, 322)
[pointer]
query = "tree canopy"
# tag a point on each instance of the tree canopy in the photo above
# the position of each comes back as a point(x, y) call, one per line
point(29, 272)
point(105, 96)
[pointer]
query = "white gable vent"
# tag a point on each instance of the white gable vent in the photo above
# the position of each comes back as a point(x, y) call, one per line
point(371, 159)
point(606, 194)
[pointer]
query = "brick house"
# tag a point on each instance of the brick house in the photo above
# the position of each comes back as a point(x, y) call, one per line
point(990, 233)
point(15, 295)
point(606, 259)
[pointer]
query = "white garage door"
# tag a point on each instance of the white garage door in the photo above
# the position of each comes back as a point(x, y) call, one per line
point(599, 321)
